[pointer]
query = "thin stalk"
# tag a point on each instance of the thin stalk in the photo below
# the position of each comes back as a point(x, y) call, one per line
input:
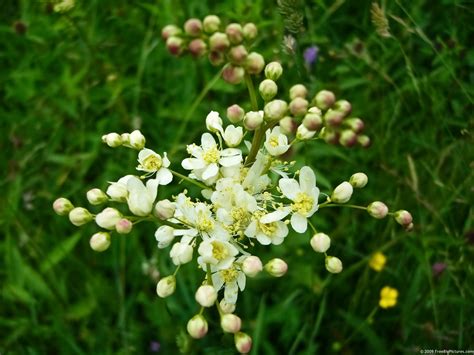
point(191, 181)
point(342, 205)
point(259, 132)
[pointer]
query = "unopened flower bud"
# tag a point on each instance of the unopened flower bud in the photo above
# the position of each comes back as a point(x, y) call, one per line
point(164, 236)
point(320, 242)
point(276, 267)
point(238, 55)
point(252, 265)
point(96, 197)
point(342, 193)
point(233, 74)
point(226, 307)
point(343, 106)
point(235, 113)
point(166, 286)
point(298, 90)
point(355, 124)
point(216, 58)
point(313, 121)
point(230, 323)
point(197, 326)
point(193, 27)
point(197, 47)
point(164, 209)
point(275, 110)
point(403, 218)
point(175, 45)
point(273, 71)
point(243, 342)
point(302, 133)
point(333, 118)
point(79, 216)
point(330, 136)
point(100, 241)
point(324, 99)
point(233, 136)
point(235, 33)
point(348, 138)
point(253, 120)
point(108, 218)
point(211, 23)
point(125, 138)
point(333, 264)
point(298, 106)
point(137, 140)
point(287, 125)
point(62, 206)
point(123, 226)
point(254, 63)
point(218, 42)
point(358, 180)
point(170, 30)
point(214, 122)
point(206, 295)
point(113, 140)
point(268, 89)
point(364, 141)
point(250, 31)
point(377, 209)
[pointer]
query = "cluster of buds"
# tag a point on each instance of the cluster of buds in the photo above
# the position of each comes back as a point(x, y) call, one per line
point(227, 45)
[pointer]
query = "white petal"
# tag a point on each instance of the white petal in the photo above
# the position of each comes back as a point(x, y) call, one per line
point(164, 176)
point(166, 161)
point(264, 239)
point(230, 161)
point(192, 163)
point(152, 189)
point(241, 281)
point(299, 223)
point(274, 216)
point(210, 171)
point(144, 153)
point(207, 141)
point(307, 179)
point(289, 188)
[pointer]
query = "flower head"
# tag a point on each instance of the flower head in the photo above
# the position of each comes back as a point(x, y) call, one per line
point(377, 261)
point(388, 297)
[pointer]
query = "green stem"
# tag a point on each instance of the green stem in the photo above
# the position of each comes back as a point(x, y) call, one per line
point(326, 204)
point(252, 94)
point(191, 181)
point(259, 132)
point(367, 320)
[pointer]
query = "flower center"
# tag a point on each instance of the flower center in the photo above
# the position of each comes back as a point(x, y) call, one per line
point(219, 251)
point(229, 275)
point(274, 141)
point(266, 228)
point(241, 219)
point(302, 203)
point(211, 155)
point(152, 162)
point(204, 223)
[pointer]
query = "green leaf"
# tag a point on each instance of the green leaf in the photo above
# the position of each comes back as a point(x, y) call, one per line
point(59, 253)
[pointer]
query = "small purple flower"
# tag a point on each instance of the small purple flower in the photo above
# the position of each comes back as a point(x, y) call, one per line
point(311, 55)
point(154, 346)
point(438, 268)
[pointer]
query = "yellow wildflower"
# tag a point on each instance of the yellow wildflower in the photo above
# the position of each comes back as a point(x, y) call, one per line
point(377, 261)
point(388, 297)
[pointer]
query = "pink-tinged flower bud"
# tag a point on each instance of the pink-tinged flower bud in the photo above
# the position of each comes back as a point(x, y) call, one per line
point(302, 133)
point(137, 140)
point(404, 218)
point(342, 193)
point(96, 197)
point(313, 121)
point(206, 295)
point(254, 63)
point(250, 31)
point(230, 323)
point(273, 71)
point(355, 124)
point(166, 286)
point(123, 226)
point(108, 218)
point(252, 265)
point(100, 241)
point(268, 89)
point(275, 110)
point(364, 141)
point(276, 267)
point(298, 90)
point(175, 45)
point(197, 47)
point(211, 23)
point(62, 206)
point(253, 120)
point(226, 307)
point(193, 27)
point(216, 58)
point(113, 140)
point(238, 55)
point(235, 33)
point(197, 326)
point(333, 264)
point(348, 138)
point(243, 342)
point(235, 113)
point(233, 74)
point(324, 99)
point(164, 209)
point(79, 216)
point(377, 209)
point(288, 125)
point(298, 106)
point(219, 42)
point(170, 30)
point(333, 118)
point(320, 242)
point(358, 180)
point(343, 106)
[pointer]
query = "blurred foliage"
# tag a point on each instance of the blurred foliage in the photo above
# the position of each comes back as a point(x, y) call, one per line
point(67, 78)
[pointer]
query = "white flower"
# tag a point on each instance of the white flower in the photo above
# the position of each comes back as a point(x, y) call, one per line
point(137, 139)
point(232, 279)
point(276, 143)
point(165, 234)
point(108, 218)
point(256, 181)
point(302, 133)
point(182, 252)
point(166, 286)
point(268, 228)
point(214, 122)
point(118, 190)
point(151, 162)
point(220, 254)
point(304, 196)
point(233, 136)
point(342, 193)
point(140, 197)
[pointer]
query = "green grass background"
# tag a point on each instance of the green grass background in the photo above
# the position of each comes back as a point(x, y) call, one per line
point(103, 67)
